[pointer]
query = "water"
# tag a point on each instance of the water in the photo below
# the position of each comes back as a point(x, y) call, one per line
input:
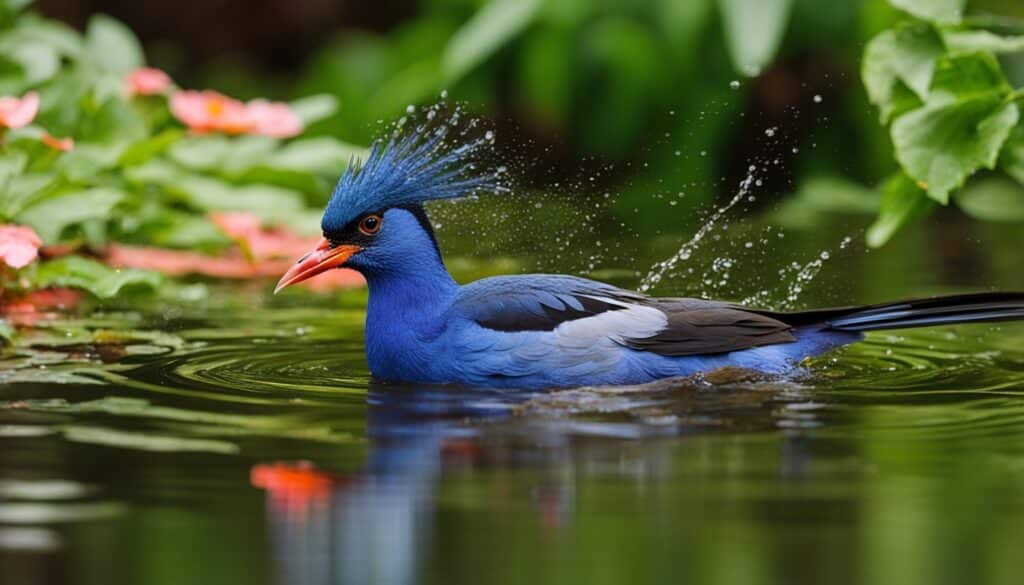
point(238, 438)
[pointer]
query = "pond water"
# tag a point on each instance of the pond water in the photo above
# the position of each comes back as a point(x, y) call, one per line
point(225, 436)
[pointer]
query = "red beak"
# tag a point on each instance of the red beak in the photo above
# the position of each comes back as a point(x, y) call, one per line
point(324, 257)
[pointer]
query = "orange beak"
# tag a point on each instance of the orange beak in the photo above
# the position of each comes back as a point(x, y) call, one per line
point(324, 257)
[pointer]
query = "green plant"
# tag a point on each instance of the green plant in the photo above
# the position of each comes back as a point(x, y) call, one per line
point(951, 112)
point(126, 171)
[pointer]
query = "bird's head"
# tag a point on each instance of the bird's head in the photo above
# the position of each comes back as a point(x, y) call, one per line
point(374, 222)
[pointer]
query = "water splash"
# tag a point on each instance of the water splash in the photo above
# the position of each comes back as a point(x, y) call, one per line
point(795, 276)
point(685, 252)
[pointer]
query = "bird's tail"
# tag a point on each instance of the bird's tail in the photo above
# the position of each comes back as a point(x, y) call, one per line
point(949, 310)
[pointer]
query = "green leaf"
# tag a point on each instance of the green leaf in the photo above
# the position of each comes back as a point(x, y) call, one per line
point(12, 164)
point(248, 151)
point(1012, 158)
point(312, 109)
point(907, 54)
point(39, 62)
point(86, 161)
point(962, 77)
point(940, 11)
point(116, 122)
point(190, 232)
point(201, 152)
point(942, 145)
point(22, 189)
point(154, 171)
point(838, 194)
point(144, 150)
point(61, 37)
point(219, 153)
point(826, 194)
point(961, 128)
point(270, 203)
point(902, 202)
point(993, 199)
point(315, 155)
point(113, 45)
point(971, 41)
point(754, 31)
point(494, 25)
point(50, 216)
point(100, 280)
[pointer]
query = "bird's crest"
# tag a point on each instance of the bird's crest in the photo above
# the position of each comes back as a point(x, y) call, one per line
point(411, 168)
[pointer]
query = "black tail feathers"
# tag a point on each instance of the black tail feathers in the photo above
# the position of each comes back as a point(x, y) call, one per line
point(949, 310)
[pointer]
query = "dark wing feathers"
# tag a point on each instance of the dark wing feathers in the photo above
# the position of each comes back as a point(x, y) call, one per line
point(546, 315)
point(538, 302)
point(713, 329)
point(543, 302)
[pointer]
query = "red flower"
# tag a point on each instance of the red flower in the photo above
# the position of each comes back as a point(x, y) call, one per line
point(209, 111)
point(19, 245)
point(147, 81)
point(274, 119)
point(18, 112)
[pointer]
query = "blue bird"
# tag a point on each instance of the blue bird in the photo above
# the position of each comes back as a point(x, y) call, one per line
point(540, 331)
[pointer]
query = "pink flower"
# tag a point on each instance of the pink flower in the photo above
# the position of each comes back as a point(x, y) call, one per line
point(274, 119)
point(18, 113)
point(61, 144)
point(209, 111)
point(19, 245)
point(147, 81)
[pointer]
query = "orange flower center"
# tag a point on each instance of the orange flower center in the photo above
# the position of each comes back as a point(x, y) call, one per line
point(215, 107)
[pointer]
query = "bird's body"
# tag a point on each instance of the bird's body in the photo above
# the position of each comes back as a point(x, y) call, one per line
point(538, 331)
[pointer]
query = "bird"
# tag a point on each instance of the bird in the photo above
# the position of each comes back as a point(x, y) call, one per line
point(540, 331)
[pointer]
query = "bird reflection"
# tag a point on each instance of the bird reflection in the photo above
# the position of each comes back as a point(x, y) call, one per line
point(376, 525)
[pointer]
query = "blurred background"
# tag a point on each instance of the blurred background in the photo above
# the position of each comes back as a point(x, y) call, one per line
point(651, 100)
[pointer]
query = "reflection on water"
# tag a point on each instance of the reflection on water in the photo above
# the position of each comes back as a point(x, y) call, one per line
point(248, 445)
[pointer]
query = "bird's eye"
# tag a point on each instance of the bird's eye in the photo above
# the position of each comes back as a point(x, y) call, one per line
point(370, 224)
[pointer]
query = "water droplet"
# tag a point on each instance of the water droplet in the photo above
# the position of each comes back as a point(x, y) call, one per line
point(825, 256)
point(410, 109)
point(770, 132)
point(444, 94)
point(734, 84)
point(817, 99)
point(489, 135)
point(703, 153)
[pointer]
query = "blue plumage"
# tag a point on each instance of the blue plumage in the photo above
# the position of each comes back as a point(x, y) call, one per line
point(410, 169)
point(537, 331)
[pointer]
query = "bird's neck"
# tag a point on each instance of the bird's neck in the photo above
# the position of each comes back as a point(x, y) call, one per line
point(415, 297)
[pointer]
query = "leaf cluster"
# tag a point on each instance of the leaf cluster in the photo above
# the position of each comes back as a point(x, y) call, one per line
point(135, 175)
point(940, 88)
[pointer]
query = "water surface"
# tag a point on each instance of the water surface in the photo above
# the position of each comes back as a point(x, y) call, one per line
point(239, 438)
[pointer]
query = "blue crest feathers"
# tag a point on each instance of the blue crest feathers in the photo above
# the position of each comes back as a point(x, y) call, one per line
point(411, 168)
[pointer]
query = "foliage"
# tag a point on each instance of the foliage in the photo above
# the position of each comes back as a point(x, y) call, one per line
point(951, 112)
point(127, 171)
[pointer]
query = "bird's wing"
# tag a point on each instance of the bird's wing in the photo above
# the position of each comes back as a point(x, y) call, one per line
point(538, 302)
point(712, 328)
point(585, 310)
